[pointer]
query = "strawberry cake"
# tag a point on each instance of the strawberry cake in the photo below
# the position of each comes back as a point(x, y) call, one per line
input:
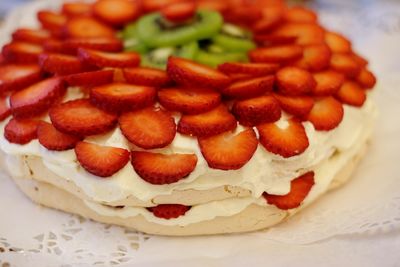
point(179, 117)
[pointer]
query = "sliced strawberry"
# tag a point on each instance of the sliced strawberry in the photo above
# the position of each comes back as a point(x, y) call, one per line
point(156, 5)
point(21, 52)
point(305, 33)
point(245, 15)
point(300, 14)
point(120, 97)
point(107, 44)
point(76, 9)
point(299, 106)
point(52, 139)
point(87, 27)
point(147, 76)
point(185, 71)
point(20, 131)
point(267, 39)
point(326, 114)
point(5, 110)
point(315, 57)
point(366, 79)
point(31, 36)
point(351, 93)
point(157, 168)
point(119, 76)
point(81, 118)
point(286, 138)
point(362, 62)
point(213, 5)
point(107, 59)
point(212, 122)
point(51, 21)
point(189, 100)
point(56, 46)
point(228, 151)
point(169, 211)
point(337, 42)
point(36, 98)
point(344, 63)
point(179, 12)
point(102, 161)
point(90, 79)
point(61, 64)
point(299, 189)
point(266, 23)
point(249, 88)
point(294, 81)
point(235, 77)
point(276, 54)
point(117, 12)
point(254, 111)
point(328, 82)
point(15, 77)
point(148, 128)
point(253, 69)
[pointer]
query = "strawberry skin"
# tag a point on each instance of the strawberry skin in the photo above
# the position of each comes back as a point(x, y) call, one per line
point(286, 141)
point(146, 76)
point(148, 128)
point(345, 64)
point(51, 21)
point(81, 118)
point(37, 98)
point(228, 151)
point(351, 93)
point(179, 12)
point(189, 100)
point(254, 111)
point(169, 211)
point(14, 77)
point(315, 57)
point(213, 122)
point(366, 79)
point(5, 110)
point(61, 64)
point(294, 81)
point(299, 106)
point(31, 36)
point(102, 161)
point(106, 59)
point(328, 82)
point(299, 189)
point(76, 9)
point(249, 88)
point(117, 12)
point(120, 97)
point(156, 168)
point(187, 72)
point(107, 44)
point(337, 43)
point(326, 114)
point(52, 139)
point(21, 52)
point(276, 54)
point(254, 69)
point(300, 14)
point(21, 131)
point(90, 79)
point(86, 27)
point(305, 33)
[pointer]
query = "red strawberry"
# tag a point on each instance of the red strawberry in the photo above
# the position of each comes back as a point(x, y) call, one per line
point(294, 81)
point(51, 21)
point(147, 76)
point(102, 161)
point(107, 59)
point(366, 79)
point(148, 128)
point(299, 106)
point(179, 12)
point(235, 77)
point(31, 36)
point(344, 63)
point(276, 54)
point(20, 131)
point(213, 5)
point(119, 76)
point(315, 57)
point(15, 77)
point(326, 114)
point(185, 71)
point(90, 79)
point(52, 139)
point(213, 122)
point(156, 5)
point(81, 118)
point(228, 151)
point(273, 40)
point(299, 189)
point(120, 97)
point(189, 100)
point(305, 33)
point(266, 23)
point(169, 211)
point(253, 69)
point(352, 94)
point(117, 12)
point(5, 110)
point(337, 42)
point(37, 98)
point(157, 168)
point(287, 139)
point(328, 83)
point(87, 27)
point(76, 9)
point(359, 59)
point(249, 88)
point(108, 44)
point(56, 46)
point(21, 52)
point(254, 111)
point(300, 14)
point(61, 64)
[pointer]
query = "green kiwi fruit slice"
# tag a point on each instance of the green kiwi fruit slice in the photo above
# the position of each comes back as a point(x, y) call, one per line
point(233, 38)
point(215, 59)
point(154, 31)
point(130, 40)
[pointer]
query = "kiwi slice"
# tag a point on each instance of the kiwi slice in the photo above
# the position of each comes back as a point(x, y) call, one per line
point(154, 31)
point(233, 38)
point(215, 59)
point(131, 42)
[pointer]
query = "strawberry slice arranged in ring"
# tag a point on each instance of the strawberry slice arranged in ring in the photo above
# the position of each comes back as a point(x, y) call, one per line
point(253, 69)
point(351, 93)
point(72, 9)
point(294, 81)
point(299, 14)
point(326, 114)
point(179, 12)
point(21, 131)
point(15, 77)
point(52, 139)
point(169, 211)
point(106, 59)
point(21, 52)
point(61, 64)
point(299, 106)
point(249, 88)
point(86, 27)
point(315, 57)
point(52, 21)
point(107, 44)
point(31, 36)
point(146, 76)
point(90, 79)
point(117, 12)
point(366, 79)
point(345, 64)
point(337, 43)
point(328, 82)
point(276, 54)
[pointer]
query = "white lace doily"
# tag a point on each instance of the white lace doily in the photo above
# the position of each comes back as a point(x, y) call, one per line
point(368, 205)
